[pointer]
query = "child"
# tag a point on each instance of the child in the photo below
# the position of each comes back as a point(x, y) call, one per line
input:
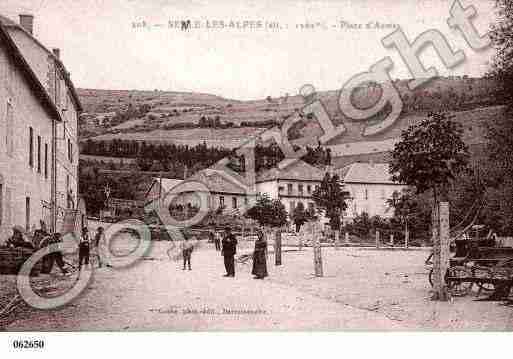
point(187, 248)
point(83, 249)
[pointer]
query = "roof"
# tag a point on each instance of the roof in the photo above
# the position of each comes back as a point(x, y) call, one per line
point(219, 182)
point(167, 183)
point(299, 170)
point(366, 172)
point(8, 23)
point(39, 90)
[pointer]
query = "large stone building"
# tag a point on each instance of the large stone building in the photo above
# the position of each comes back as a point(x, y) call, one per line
point(370, 186)
point(292, 185)
point(39, 110)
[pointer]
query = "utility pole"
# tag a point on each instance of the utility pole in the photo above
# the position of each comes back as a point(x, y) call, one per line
point(53, 181)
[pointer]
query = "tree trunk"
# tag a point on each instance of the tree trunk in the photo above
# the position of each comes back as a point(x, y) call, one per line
point(377, 239)
point(406, 235)
point(316, 240)
point(337, 239)
point(277, 248)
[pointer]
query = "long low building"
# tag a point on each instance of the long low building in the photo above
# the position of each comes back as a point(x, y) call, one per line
point(370, 186)
point(39, 111)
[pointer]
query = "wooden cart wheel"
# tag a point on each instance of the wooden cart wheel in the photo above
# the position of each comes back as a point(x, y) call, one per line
point(456, 287)
point(485, 273)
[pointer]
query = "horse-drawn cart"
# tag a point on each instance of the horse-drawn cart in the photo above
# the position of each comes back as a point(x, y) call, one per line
point(487, 267)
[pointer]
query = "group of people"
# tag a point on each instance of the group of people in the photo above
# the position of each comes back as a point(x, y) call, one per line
point(40, 238)
point(226, 243)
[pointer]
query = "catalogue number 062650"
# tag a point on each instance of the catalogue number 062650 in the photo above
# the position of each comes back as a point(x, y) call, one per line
point(28, 344)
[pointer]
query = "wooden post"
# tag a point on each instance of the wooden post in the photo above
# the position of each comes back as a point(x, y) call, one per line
point(406, 235)
point(346, 239)
point(277, 248)
point(392, 239)
point(377, 238)
point(300, 240)
point(441, 251)
point(316, 234)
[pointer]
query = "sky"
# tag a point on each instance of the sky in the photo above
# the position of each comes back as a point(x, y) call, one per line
point(103, 49)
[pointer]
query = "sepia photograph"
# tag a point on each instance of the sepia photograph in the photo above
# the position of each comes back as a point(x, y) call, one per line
point(255, 166)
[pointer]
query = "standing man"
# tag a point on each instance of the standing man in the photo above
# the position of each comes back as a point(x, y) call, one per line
point(217, 240)
point(83, 249)
point(229, 251)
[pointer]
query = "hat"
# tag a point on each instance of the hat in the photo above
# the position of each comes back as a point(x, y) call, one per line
point(18, 229)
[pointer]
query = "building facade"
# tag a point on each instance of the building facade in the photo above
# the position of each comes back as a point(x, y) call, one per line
point(292, 185)
point(370, 186)
point(39, 112)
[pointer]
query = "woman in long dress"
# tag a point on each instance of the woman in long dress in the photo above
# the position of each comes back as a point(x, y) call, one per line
point(260, 257)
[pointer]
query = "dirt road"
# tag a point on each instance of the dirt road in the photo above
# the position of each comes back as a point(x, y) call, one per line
point(156, 294)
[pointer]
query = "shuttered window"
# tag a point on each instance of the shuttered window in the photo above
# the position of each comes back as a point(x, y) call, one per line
point(31, 147)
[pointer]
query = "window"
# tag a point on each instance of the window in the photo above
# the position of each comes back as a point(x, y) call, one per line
point(234, 202)
point(309, 189)
point(292, 206)
point(9, 136)
point(1, 201)
point(31, 147)
point(366, 194)
point(27, 213)
point(246, 201)
point(221, 201)
point(289, 188)
point(281, 189)
point(70, 151)
point(300, 189)
point(39, 154)
point(46, 160)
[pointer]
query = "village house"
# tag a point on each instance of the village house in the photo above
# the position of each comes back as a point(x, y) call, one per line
point(292, 185)
point(39, 111)
point(370, 186)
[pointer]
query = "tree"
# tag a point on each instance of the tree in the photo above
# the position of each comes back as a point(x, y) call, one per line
point(330, 197)
point(430, 155)
point(299, 216)
point(267, 212)
point(500, 130)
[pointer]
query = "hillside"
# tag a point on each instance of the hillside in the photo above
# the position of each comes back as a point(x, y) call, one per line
point(190, 118)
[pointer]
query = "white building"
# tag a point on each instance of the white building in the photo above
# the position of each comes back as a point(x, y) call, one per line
point(36, 93)
point(370, 186)
point(291, 185)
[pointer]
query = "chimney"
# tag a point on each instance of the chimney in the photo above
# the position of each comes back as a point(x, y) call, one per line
point(57, 53)
point(27, 23)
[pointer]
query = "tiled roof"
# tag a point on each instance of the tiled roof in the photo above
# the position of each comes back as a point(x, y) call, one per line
point(218, 181)
point(167, 183)
point(36, 86)
point(364, 172)
point(6, 22)
point(298, 170)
